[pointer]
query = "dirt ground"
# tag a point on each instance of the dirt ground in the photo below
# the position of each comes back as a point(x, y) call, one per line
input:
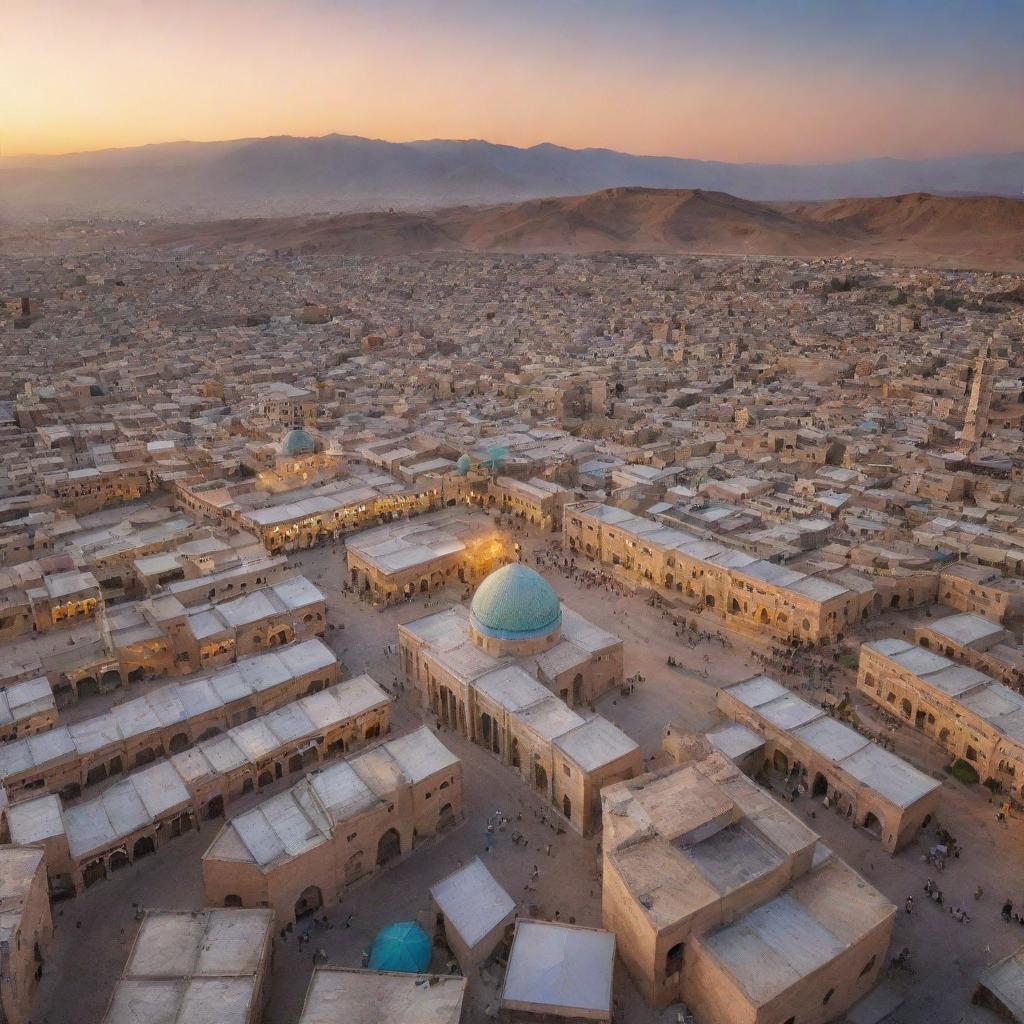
point(94, 932)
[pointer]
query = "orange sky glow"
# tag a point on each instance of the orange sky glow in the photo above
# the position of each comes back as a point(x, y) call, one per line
point(80, 75)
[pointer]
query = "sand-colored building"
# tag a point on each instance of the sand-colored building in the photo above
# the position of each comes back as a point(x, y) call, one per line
point(417, 556)
point(536, 500)
point(536, 990)
point(305, 847)
point(966, 712)
point(473, 670)
point(978, 642)
point(750, 594)
point(26, 708)
point(191, 966)
point(88, 841)
point(876, 789)
point(161, 636)
point(476, 914)
point(382, 997)
point(25, 929)
point(165, 721)
point(723, 899)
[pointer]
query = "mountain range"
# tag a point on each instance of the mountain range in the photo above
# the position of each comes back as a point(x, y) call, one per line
point(338, 173)
point(983, 232)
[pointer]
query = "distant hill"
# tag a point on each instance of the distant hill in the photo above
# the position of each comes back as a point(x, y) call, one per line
point(919, 228)
point(338, 173)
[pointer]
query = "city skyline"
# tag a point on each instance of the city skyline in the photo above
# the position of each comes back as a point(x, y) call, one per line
point(791, 82)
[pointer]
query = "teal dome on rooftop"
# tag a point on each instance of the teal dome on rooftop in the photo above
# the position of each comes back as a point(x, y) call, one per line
point(515, 603)
point(462, 466)
point(297, 442)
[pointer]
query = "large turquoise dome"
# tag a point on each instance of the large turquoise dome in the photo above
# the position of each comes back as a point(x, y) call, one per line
point(297, 442)
point(515, 603)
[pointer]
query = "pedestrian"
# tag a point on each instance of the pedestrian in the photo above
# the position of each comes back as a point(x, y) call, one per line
point(909, 904)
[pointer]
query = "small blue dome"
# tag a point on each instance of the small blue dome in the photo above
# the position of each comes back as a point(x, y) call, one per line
point(401, 947)
point(297, 442)
point(515, 603)
point(462, 466)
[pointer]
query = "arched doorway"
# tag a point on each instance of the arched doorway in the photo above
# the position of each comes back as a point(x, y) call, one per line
point(820, 785)
point(215, 806)
point(118, 860)
point(309, 900)
point(446, 818)
point(540, 777)
point(143, 847)
point(872, 824)
point(388, 847)
point(781, 762)
point(94, 872)
point(232, 900)
point(577, 690)
point(567, 807)
point(179, 742)
point(88, 687)
point(674, 960)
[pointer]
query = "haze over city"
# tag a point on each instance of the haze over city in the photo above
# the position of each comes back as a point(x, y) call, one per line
point(512, 512)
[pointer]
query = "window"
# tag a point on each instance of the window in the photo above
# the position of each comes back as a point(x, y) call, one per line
point(567, 769)
point(867, 967)
point(828, 995)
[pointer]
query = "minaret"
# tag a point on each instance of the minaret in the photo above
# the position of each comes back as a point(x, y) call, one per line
point(980, 401)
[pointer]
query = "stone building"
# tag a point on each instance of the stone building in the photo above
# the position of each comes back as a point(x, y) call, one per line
point(25, 929)
point(475, 913)
point(750, 594)
point(982, 590)
point(161, 636)
point(303, 848)
point(977, 642)
point(398, 560)
point(26, 707)
point(533, 992)
point(721, 898)
point(876, 789)
point(539, 501)
point(89, 841)
point(166, 721)
point(474, 672)
point(382, 997)
point(287, 406)
point(966, 712)
point(192, 966)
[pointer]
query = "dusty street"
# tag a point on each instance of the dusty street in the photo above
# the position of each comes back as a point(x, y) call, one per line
point(95, 931)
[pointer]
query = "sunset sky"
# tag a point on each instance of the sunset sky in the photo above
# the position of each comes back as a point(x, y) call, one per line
point(738, 80)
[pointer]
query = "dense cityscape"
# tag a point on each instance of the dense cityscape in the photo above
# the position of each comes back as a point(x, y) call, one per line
point(520, 637)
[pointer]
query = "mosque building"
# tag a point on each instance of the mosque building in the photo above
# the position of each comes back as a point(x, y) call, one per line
point(515, 673)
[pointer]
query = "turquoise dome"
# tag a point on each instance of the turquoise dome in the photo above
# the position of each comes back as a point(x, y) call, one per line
point(462, 466)
point(402, 947)
point(297, 442)
point(515, 603)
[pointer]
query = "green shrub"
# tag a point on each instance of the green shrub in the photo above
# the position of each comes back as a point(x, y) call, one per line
point(963, 770)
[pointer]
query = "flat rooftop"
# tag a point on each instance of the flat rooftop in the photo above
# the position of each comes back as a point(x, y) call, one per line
point(563, 970)
point(194, 967)
point(337, 994)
